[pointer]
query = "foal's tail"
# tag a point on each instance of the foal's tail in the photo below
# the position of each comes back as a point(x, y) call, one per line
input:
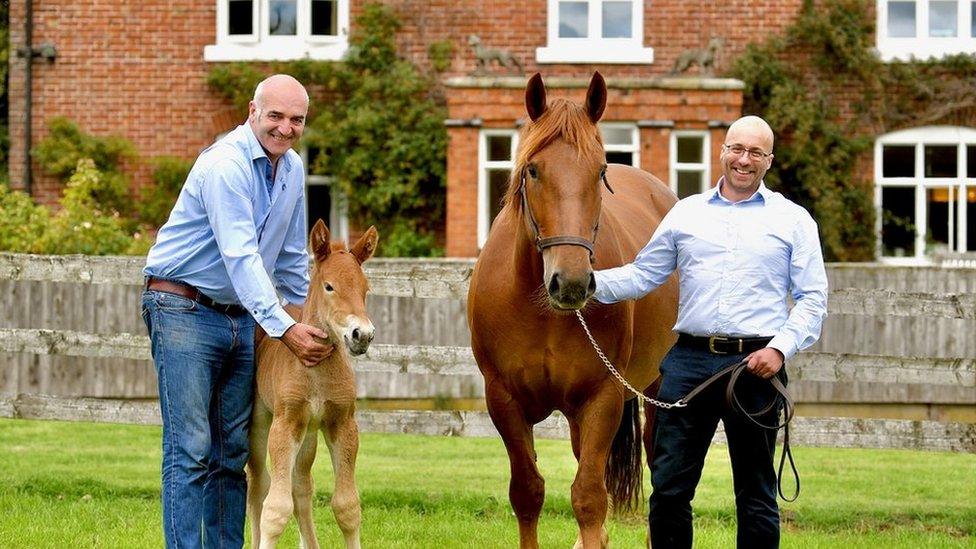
point(624, 465)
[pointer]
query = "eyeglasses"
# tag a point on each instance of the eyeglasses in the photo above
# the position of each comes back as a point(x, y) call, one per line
point(755, 154)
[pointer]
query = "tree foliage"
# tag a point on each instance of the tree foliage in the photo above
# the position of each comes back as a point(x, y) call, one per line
point(378, 129)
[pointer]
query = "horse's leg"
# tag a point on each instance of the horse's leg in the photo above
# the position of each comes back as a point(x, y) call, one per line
point(258, 481)
point(526, 489)
point(342, 437)
point(302, 489)
point(650, 412)
point(284, 439)
point(598, 420)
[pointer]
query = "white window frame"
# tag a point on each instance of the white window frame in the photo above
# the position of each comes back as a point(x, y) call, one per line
point(920, 138)
point(594, 48)
point(261, 46)
point(922, 46)
point(633, 147)
point(705, 166)
point(484, 194)
point(338, 208)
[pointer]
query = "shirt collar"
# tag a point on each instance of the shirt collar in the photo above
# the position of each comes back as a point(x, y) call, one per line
point(257, 151)
point(762, 194)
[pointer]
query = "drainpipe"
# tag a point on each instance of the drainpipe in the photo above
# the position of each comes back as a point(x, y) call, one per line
point(28, 53)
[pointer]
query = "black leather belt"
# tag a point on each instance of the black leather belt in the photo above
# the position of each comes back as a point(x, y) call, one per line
point(185, 290)
point(723, 345)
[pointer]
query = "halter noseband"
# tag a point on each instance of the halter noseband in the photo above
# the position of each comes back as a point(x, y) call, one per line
point(563, 240)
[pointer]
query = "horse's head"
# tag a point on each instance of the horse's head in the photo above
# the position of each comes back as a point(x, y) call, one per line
point(337, 291)
point(556, 187)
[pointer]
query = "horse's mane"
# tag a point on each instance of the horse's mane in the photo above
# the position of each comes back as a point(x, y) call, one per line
point(565, 120)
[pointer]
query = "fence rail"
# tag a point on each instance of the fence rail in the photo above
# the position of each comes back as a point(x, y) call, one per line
point(72, 319)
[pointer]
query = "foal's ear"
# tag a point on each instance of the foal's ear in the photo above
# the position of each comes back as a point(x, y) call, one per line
point(319, 240)
point(363, 248)
point(535, 97)
point(596, 97)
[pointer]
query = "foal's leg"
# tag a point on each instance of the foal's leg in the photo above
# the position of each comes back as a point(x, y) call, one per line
point(258, 479)
point(527, 489)
point(598, 420)
point(302, 490)
point(342, 438)
point(284, 439)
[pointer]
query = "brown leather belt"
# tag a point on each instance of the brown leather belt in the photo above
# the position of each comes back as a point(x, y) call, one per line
point(723, 345)
point(185, 290)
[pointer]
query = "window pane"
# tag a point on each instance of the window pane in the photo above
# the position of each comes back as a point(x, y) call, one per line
point(319, 199)
point(617, 19)
point(283, 17)
point(239, 17)
point(898, 161)
point(971, 218)
point(940, 225)
point(497, 185)
point(972, 21)
point(690, 149)
point(324, 18)
point(499, 148)
point(689, 183)
point(940, 160)
point(901, 19)
point(971, 155)
point(617, 136)
point(573, 19)
point(617, 157)
point(898, 221)
point(942, 19)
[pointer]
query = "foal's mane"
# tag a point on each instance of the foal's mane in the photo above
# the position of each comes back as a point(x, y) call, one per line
point(563, 119)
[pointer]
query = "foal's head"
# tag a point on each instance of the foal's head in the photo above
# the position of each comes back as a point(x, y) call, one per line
point(337, 292)
point(556, 187)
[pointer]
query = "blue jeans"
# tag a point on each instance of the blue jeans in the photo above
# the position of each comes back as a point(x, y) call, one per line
point(205, 364)
point(681, 440)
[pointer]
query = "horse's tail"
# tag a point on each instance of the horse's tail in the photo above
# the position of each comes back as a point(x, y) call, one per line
point(624, 465)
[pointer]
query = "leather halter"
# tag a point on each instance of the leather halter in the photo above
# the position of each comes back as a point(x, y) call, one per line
point(562, 240)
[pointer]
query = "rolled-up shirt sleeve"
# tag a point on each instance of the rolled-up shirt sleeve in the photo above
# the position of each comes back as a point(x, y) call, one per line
point(651, 268)
point(808, 287)
point(291, 268)
point(225, 194)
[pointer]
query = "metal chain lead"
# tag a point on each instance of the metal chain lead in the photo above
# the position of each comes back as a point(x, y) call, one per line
point(620, 378)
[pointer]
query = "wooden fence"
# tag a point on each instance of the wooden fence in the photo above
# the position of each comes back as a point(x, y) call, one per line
point(895, 367)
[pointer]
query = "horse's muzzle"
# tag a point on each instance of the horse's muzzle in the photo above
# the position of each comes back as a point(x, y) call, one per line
point(570, 294)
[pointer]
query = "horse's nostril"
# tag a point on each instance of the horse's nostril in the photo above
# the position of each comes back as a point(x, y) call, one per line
point(356, 334)
point(591, 287)
point(554, 285)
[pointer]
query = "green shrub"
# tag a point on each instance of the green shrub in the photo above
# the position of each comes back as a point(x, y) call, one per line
point(158, 199)
point(60, 152)
point(22, 222)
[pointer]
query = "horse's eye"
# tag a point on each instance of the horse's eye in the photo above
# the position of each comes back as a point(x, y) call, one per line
point(603, 172)
point(533, 173)
point(329, 288)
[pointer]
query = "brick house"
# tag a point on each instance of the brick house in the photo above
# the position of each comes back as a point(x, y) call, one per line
point(139, 69)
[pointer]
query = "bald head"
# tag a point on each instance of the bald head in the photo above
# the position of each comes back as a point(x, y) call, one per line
point(278, 84)
point(752, 126)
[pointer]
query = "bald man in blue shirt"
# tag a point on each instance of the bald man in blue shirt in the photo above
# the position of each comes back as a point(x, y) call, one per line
point(740, 251)
point(234, 241)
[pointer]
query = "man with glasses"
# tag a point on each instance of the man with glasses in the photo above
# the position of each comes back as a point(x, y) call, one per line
point(740, 250)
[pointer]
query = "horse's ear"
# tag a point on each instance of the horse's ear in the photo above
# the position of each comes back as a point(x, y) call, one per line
point(363, 248)
point(319, 240)
point(596, 97)
point(535, 97)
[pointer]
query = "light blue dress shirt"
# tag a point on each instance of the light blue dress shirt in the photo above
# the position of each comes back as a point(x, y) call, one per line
point(737, 263)
point(233, 231)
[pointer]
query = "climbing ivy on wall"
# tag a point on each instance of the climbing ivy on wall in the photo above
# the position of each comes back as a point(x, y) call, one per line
point(827, 94)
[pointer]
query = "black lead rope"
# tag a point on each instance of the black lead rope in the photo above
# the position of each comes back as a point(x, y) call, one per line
point(734, 371)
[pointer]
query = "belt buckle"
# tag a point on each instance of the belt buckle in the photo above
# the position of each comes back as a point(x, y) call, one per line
point(711, 344)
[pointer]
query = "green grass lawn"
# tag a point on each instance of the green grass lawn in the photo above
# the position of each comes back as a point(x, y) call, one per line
point(91, 485)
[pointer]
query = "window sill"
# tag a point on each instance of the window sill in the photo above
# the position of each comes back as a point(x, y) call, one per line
point(278, 51)
point(906, 49)
point(596, 52)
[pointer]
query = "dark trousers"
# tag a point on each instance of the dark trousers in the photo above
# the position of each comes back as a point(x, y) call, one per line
point(681, 440)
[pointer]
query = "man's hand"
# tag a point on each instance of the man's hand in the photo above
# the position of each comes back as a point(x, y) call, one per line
point(304, 342)
point(765, 362)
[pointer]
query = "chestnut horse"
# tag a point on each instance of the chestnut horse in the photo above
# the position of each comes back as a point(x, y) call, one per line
point(557, 224)
point(293, 402)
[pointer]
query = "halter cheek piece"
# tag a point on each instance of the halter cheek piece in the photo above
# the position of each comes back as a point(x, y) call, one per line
point(564, 240)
